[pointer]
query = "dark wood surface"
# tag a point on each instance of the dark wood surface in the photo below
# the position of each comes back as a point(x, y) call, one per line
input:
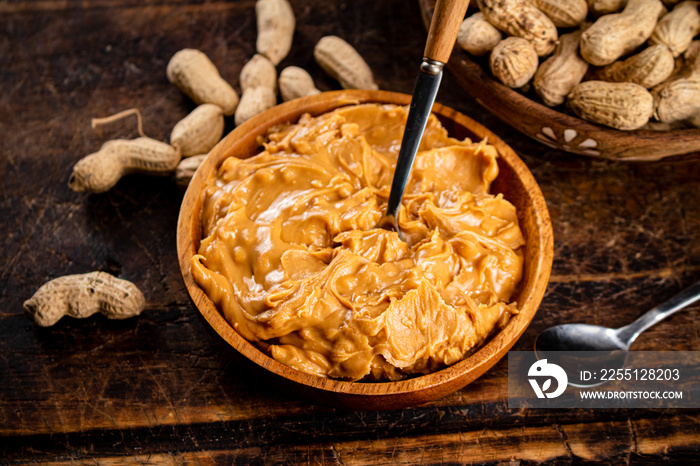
point(157, 388)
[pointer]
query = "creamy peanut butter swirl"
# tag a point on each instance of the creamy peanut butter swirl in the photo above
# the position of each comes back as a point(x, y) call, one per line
point(292, 257)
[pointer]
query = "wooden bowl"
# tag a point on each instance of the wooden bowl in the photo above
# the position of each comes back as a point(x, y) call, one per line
point(515, 182)
point(560, 130)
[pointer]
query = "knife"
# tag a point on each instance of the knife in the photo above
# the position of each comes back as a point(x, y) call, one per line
point(444, 26)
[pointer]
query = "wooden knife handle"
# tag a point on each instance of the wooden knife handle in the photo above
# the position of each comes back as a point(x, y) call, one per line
point(447, 18)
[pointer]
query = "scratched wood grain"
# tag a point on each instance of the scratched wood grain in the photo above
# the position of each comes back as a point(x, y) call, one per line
point(157, 388)
point(623, 441)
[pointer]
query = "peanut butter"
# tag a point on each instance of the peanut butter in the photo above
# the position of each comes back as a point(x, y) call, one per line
point(292, 257)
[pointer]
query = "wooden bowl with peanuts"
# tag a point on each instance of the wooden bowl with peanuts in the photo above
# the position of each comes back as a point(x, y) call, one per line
point(514, 182)
point(618, 108)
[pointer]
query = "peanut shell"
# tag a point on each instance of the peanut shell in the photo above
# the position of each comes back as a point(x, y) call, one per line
point(615, 35)
point(100, 171)
point(343, 63)
point(605, 7)
point(254, 101)
point(563, 13)
point(193, 73)
point(677, 29)
point(648, 68)
point(276, 23)
point(514, 61)
point(83, 295)
point(624, 106)
point(258, 72)
point(186, 169)
point(520, 19)
point(295, 82)
point(677, 100)
point(477, 36)
point(199, 131)
point(558, 75)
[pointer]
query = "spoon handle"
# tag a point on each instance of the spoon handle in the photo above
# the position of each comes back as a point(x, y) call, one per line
point(444, 26)
point(630, 332)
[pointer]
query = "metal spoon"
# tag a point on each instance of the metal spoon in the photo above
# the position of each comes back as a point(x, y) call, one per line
point(582, 347)
point(442, 35)
point(585, 337)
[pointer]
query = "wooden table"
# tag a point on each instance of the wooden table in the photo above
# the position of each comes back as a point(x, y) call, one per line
point(157, 388)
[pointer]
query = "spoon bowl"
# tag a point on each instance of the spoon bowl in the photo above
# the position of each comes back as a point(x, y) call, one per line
point(581, 347)
point(580, 337)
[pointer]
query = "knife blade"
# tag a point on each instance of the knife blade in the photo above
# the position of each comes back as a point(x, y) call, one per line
point(442, 35)
point(427, 85)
